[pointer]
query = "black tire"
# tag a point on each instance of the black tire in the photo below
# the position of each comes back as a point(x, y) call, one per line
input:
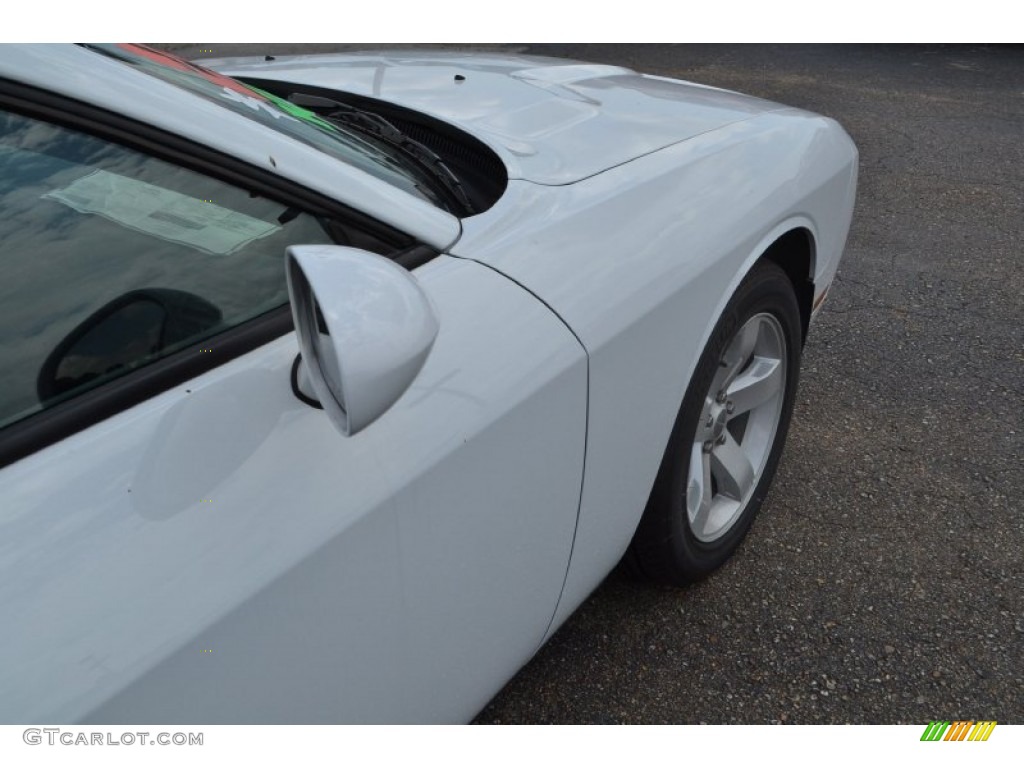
point(666, 547)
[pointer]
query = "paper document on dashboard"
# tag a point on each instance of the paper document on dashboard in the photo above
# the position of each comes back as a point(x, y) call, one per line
point(162, 213)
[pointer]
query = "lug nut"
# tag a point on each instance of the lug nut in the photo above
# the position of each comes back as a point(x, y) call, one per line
point(720, 398)
point(730, 406)
point(711, 422)
point(708, 446)
point(721, 439)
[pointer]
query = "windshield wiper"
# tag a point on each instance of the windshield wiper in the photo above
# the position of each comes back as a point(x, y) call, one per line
point(377, 126)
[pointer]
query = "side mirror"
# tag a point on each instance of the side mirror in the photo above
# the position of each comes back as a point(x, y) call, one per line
point(365, 328)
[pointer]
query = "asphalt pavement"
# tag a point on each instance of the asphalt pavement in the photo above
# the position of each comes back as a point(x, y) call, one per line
point(884, 579)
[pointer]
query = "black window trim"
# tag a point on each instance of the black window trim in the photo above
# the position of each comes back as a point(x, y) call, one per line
point(51, 425)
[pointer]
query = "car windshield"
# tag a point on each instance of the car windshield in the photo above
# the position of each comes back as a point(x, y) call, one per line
point(356, 149)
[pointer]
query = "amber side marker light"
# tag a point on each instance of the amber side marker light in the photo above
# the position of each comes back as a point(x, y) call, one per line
point(821, 299)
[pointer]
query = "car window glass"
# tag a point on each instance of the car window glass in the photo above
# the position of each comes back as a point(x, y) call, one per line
point(112, 259)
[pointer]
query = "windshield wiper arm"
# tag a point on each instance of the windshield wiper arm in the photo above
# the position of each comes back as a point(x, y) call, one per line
point(375, 125)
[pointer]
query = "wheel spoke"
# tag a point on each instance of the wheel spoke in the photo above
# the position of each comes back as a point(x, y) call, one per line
point(698, 491)
point(732, 469)
point(759, 383)
point(704, 423)
point(740, 351)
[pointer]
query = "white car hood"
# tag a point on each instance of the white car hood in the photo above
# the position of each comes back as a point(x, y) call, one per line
point(551, 121)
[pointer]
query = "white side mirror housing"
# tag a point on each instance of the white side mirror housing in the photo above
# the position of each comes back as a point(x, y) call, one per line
point(365, 329)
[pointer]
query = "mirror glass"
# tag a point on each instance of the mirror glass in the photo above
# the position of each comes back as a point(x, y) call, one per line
point(327, 356)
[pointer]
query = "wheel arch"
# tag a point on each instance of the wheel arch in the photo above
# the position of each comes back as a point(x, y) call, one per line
point(794, 251)
point(791, 246)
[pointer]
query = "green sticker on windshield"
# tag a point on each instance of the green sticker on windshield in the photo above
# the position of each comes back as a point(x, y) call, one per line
point(294, 109)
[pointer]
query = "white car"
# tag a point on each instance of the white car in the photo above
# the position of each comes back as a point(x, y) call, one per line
point(328, 392)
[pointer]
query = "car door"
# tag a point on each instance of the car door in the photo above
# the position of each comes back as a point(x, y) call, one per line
point(182, 539)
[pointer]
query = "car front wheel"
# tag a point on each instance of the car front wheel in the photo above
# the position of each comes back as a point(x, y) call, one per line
point(728, 436)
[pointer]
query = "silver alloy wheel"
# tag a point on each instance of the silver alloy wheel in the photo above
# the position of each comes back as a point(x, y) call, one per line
point(737, 427)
